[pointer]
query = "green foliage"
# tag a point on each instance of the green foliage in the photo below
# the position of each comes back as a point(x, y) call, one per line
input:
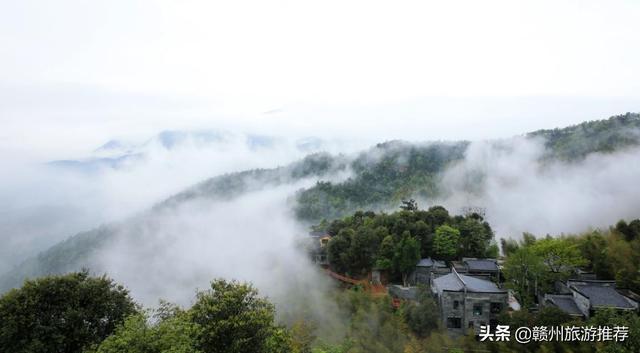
point(421, 317)
point(559, 255)
point(406, 256)
point(232, 318)
point(62, 313)
point(535, 265)
point(173, 334)
point(383, 176)
point(575, 142)
point(523, 269)
point(610, 254)
point(610, 317)
point(373, 325)
point(446, 242)
point(302, 337)
point(397, 241)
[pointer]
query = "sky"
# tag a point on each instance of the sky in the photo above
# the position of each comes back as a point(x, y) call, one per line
point(74, 74)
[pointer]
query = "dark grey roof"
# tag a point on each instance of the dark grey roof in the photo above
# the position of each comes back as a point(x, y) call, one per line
point(481, 264)
point(565, 303)
point(602, 294)
point(407, 293)
point(428, 262)
point(457, 282)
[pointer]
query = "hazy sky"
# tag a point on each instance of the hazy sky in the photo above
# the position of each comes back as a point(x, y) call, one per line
point(74, 73)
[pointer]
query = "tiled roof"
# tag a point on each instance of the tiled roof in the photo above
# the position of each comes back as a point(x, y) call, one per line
point(481, 264)
point(457, 282)
point(602, 294)
point(564, 303)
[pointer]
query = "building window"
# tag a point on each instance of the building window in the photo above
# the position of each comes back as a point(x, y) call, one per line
point(456, 304)
point(454, 322)
point(477, 310)
point(496, 308)
point(470, 324)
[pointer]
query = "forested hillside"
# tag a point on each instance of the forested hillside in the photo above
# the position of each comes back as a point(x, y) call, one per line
point(379, 178)
point(575, 142)
point(392, 171)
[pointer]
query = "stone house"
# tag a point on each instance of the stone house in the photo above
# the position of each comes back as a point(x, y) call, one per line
point(425, 269)
point(467, 302)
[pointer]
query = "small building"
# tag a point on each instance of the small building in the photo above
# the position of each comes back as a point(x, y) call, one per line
point(581, 298)
point(467, 302)
point(318, 248)
point(424, 270)
point(478, 267)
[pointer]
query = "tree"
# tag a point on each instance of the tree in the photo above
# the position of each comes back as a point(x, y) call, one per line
point(560, 257)
point(409, 205)
point(421, 317)
point(446, 242)
point(611, 317)
point(593, 247)
point(66, 313)
point(338, 250)
point(407, 256)
point(509, 246)
point(523, 269)
point(386, 253)
point(362, 252)
point(175, 334)
point(475, 236)
point(302, 336)
point(233, 319)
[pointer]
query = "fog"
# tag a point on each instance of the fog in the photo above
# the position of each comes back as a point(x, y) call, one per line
point(44, 203)
point(171, 253)
point(521, 193)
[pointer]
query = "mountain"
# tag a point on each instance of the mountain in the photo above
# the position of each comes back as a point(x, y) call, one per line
point(118, 154)
point(379, 178)
point(392, 171)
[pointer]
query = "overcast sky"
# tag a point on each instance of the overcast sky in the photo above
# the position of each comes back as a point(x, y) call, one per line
point(76, 73)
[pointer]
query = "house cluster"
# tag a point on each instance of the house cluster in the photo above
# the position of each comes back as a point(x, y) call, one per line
point(470, 292)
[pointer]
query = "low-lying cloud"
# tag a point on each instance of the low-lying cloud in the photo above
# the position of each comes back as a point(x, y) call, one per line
point(252, 238)
point(44, 203)
point(522, 193)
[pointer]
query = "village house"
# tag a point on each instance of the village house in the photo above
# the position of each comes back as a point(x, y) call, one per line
point(478, 267)
point(467, 302)
point(424, 270)
point(318, 248)
point(581, 298)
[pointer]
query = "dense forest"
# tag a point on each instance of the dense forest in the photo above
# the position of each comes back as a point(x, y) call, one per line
point(397, 241)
